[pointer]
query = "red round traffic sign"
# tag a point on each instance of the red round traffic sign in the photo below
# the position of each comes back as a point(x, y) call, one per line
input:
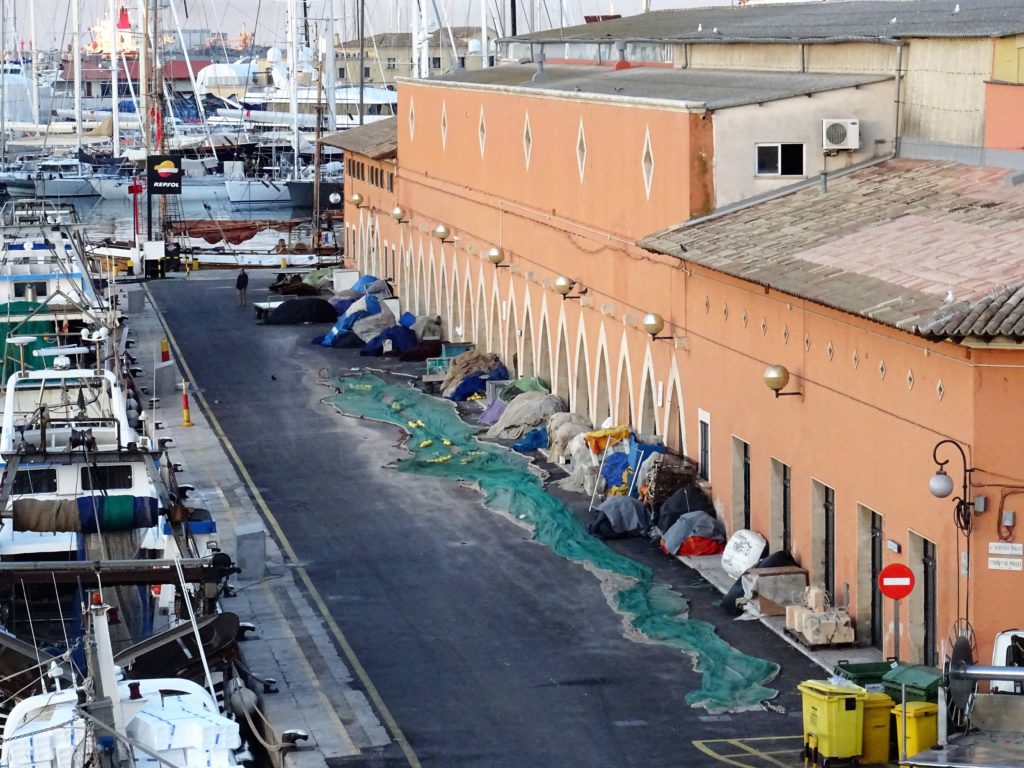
point(896, 581)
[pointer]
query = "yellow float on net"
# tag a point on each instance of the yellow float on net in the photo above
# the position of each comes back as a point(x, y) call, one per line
point(446, 441)
point(426, 443)
point(412, 425)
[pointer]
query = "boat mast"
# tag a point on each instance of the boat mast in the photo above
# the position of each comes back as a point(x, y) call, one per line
point(331, 85)
point(484, 58)
point(362, 60)
point(144, 71)
point(3, 84)
point(116, 138)
point(32, 61)
point(317, 233)
point(76, 38)
point(293, 95)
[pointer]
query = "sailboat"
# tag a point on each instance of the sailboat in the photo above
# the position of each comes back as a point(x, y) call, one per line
point(269, 190)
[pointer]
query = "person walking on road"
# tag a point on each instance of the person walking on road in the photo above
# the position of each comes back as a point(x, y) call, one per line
point(241, 284)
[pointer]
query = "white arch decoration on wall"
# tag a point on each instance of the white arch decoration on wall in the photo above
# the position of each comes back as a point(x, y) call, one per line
point(674, 395)
point(582, 358)
point(510, 342)
point(495, 327)
point(601, 363)
point(527, 340)
point(625, 364)
point(647, 377)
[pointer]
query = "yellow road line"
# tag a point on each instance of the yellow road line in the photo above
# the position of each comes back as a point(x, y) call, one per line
point(757, 753)
point(747, 752)
point(321, 605)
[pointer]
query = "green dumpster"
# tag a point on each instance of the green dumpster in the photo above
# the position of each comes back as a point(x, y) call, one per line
point(866, 674)
point(922, 683)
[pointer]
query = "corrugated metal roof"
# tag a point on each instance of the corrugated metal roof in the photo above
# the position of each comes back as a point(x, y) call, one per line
point(928, 247)
point(377, 140)
point(717, 89)
point(874, 19)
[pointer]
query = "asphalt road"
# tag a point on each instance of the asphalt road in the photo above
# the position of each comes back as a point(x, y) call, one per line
point(488, 649)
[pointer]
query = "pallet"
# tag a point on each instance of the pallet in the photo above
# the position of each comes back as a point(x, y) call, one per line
point(798, 636)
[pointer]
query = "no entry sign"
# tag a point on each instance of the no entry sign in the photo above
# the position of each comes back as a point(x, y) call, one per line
point(896, 581)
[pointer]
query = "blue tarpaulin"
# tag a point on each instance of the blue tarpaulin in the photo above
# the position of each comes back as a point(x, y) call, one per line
point(614, 465)
point(364, 282)
point(344, 324)
point(402, 340)
point(476, 383)
point(532, 440)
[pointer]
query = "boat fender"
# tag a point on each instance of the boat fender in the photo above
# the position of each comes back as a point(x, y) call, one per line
point(243, 700)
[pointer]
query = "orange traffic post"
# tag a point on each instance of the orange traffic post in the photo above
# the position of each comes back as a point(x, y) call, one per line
point(165, 351)
point(186, 417)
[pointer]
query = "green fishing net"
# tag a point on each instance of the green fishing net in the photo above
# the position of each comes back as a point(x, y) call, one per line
point(443, 445)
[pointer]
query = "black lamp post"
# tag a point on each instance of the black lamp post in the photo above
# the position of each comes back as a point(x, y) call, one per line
point(941, 485)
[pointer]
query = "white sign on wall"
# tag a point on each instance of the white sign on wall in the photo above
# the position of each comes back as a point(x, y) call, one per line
point(1005, 548)
point(1005, 564)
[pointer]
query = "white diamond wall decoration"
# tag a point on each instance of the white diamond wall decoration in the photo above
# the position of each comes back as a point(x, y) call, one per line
point(647, 163)
point(412, 120)
point(444, 126)
point(482, 131)
point(527, 140)
point(581, 150)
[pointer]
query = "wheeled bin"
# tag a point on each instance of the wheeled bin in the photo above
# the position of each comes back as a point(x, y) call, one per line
point(833, 721)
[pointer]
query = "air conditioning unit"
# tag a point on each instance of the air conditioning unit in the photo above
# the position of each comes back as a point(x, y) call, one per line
point(840, 133)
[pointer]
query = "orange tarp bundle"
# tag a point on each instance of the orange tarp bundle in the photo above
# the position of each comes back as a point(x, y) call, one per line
point(603, 437)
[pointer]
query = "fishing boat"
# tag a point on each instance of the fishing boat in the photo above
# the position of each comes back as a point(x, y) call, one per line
point(105, 720)
point(47, 291)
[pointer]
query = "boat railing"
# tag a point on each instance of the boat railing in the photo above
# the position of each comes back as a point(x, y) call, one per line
point(25, 212)
point(68, 435)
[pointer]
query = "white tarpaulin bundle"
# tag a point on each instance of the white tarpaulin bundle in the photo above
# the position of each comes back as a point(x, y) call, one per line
point(527, 411)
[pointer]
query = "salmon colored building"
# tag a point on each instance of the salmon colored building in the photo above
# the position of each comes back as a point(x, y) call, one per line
point(547, 211)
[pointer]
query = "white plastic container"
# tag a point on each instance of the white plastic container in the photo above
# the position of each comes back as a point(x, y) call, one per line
point(742, 552)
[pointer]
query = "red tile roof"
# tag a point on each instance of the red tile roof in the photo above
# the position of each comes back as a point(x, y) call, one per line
point(178, 69)
point(934, 248)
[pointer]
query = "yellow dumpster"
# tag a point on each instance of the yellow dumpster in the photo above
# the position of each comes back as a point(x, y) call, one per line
point(877, 708)
point(833, 719)
point(922, 726)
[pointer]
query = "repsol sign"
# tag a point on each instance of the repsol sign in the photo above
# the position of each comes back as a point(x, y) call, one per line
point(163, 175)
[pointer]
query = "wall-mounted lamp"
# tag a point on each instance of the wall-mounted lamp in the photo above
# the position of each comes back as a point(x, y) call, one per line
point(941, 485)
point(496, 255)
point(398, 213)
point(776, 377)
point(564, 286)
point(335, 198)
point(357, 200)
point(653, 323)
point(442, 233)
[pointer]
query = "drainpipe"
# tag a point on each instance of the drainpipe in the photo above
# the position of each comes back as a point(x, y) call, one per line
point(896, 101)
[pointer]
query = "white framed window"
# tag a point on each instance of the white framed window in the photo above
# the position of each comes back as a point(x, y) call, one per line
point(392, 63)
point(780, 160)
point(704, 432)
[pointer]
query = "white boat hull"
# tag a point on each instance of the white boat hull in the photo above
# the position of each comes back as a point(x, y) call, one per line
point(78, 186)
point(258, 192)
point(192, 189)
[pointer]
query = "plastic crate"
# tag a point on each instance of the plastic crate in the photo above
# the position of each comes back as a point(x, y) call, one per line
point(867, 673)
point(438, 366)
point(922, 683)
point(454, 349)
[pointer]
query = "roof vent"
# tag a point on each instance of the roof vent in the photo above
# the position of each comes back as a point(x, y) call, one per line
point(840, 134)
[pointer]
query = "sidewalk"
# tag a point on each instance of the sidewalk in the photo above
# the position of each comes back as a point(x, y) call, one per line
point(291, 643)
point(710, 568)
